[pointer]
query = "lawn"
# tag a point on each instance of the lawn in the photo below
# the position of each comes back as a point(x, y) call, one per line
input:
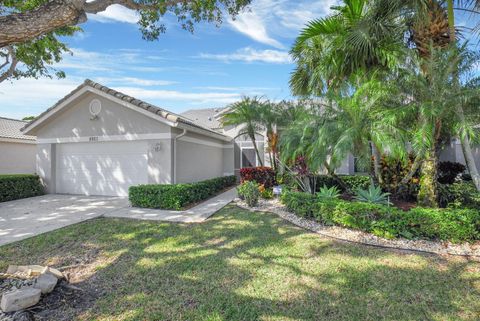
point(241, 265)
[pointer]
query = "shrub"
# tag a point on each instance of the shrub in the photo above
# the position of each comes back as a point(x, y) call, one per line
point(265, 193)
point(14, 187)
point(249, 191)
point(459, 195)
point(177, 196)
point(262, 175)
point(393, 171)
point(353, 182)
point(455, 225)
point(328, 192)
point(373, 194)
point(449, 171)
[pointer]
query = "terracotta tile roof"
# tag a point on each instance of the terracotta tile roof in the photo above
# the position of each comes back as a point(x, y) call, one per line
point(10, 128)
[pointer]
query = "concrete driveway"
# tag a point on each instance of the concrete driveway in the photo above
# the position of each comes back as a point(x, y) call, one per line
point(24, 218)
point(28, 217)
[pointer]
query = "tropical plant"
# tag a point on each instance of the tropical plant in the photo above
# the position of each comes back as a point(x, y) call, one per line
point(327, 193)
point(249, 191)
point(426, 88)
point(245, 113)
point(373, 194)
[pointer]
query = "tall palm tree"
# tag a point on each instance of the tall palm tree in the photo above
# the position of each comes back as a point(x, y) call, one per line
point(434, 99)
point(245, 113)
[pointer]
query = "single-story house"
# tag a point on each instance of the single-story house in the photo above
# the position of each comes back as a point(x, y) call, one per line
point(98, 141)
point(17, 150)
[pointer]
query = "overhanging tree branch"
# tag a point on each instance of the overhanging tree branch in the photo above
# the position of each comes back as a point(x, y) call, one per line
point(10, 58)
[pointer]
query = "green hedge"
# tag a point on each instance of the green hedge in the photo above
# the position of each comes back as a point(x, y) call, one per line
point(177, 196)
point(455, 225)
point(14, 187)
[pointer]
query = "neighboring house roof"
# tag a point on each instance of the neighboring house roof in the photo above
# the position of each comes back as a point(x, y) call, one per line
point(167, 115)
point(10, 130)
point(204, 117)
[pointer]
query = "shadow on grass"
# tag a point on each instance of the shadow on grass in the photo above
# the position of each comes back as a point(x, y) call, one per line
point(241, 265)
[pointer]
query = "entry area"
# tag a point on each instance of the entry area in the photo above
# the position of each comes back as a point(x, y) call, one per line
point(101, 168)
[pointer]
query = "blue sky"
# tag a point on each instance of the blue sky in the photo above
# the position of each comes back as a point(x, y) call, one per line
point(210, 68)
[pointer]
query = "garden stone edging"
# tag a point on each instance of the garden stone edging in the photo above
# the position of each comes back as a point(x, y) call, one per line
point(354, 236)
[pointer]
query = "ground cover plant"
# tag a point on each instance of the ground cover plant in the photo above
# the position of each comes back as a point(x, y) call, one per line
point(242, 265)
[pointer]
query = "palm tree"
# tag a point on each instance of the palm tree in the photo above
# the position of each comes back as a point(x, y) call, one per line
point(355, 38)
point(342, 125)
point(245, 113)
point(434, 99)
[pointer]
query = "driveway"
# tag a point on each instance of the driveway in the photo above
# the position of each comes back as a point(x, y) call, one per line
point(27, 217)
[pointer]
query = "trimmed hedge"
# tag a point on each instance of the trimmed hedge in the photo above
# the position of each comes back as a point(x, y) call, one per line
point(13, 187)
point(177, 196)
point(455, 225)
point(262, 175)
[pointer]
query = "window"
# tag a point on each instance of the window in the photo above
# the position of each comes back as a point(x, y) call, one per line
point(249, 157)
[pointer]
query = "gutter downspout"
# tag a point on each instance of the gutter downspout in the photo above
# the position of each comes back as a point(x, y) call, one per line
point(175, 154)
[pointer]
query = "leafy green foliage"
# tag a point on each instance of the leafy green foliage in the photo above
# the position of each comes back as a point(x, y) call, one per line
point(459, 195)
point(177, 196)
point(14, 187)
point(327, 193)
point(36, 57)
point(249, 192)
point(373, 194)
point(353, 182)
point(455, 225)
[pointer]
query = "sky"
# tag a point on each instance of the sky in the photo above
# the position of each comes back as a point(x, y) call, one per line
point(212, 67)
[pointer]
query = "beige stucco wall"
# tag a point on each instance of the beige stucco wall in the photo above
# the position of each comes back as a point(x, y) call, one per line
point(199, 157)
point(114, 119)
point(75, 122)
point(16, 158)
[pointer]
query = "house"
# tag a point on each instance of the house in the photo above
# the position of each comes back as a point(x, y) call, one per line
point(244, 154)
point(98, 141)
point(17, 150)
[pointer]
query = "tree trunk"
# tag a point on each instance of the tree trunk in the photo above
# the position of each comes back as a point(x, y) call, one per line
point(25, 26)
point(376, 164)
point(466, 147)
point(415, 166)
point(254, 141)
point(427, 196)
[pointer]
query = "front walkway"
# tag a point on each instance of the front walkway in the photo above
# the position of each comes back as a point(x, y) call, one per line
point(28, 217)
point(196, 214)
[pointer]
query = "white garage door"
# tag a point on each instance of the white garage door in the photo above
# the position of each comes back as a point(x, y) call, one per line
point(102, 168)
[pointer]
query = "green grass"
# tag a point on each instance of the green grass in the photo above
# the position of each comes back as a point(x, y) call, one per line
point(242, 265)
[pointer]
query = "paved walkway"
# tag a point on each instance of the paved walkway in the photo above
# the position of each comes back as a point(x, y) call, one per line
point(28, 217)
point(196, 214)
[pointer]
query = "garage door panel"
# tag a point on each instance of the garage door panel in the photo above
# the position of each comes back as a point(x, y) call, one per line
point(106, 168)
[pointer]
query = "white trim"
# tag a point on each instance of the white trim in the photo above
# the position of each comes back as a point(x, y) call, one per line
point(203, 142)
point(106, 138)
point(17, 140)
point(205, 132)
point(241, 156)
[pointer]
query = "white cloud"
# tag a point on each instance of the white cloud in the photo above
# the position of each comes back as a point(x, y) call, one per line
point(269, 20)
point(249, 54)
point(251, 24)
point(116, 13)
point(191, 97)
point(135, 81)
